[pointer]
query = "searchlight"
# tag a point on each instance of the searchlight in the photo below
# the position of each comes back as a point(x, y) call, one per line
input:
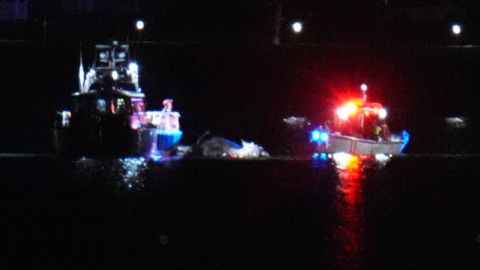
point(114, 75)
point(133, 67)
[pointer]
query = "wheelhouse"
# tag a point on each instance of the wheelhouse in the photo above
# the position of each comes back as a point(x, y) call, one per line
point(357, 117)
point(115, 104)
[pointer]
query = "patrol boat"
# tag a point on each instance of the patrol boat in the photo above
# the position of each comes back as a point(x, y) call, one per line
point(359, 127)
point(109, 117)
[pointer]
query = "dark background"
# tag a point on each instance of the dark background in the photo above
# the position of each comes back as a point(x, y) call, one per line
point(218, 62)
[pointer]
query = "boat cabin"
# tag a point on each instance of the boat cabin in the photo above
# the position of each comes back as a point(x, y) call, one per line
point(359, 118)
point(118, 106)
point(112, 65)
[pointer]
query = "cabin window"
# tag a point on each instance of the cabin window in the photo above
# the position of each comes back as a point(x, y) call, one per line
point(103, 57)
point(120, 58)
point(101, 105)
point(118, 105)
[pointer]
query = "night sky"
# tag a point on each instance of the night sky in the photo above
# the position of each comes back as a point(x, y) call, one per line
point(339, 22)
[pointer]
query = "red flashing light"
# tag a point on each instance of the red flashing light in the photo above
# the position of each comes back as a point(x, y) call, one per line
point(350, 108)
point(355, 105)
point(135, 123)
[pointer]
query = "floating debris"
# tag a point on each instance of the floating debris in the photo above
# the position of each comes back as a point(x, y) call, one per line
point(296, 122)
point(219, 147)
point(457, 122)
point(249, 150)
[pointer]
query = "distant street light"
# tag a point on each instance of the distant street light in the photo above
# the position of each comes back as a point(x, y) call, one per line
point(297, 27)
point(140, 25)
point(456, 29)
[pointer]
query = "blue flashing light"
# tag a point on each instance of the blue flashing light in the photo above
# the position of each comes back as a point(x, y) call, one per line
point(405, 139)
point(319, 136)
point(321, 156)
point(315, 135)
point(323, 136)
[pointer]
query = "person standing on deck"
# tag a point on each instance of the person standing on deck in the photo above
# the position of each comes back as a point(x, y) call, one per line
point(169, 120)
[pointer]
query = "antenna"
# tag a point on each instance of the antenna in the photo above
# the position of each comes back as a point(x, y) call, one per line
point(364, 88)
point(81, 72)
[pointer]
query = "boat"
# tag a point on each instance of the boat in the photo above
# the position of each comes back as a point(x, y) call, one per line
point(359, 127)
point(108, 116)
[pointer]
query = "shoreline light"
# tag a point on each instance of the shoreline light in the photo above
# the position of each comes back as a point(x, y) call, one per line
point(297, 27)
point(456, 29)
point(140, 25)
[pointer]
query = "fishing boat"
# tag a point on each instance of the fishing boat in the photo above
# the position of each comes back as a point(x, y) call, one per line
point(108, 117)
point(359, 127)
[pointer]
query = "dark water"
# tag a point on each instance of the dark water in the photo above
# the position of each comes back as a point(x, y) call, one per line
point(417, 212)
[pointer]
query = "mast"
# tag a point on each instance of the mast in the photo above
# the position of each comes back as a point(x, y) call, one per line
point(81, 73)
point(364, 88)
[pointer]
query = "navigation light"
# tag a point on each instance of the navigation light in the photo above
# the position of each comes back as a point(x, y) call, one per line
point(382, 113)
point(114, 75)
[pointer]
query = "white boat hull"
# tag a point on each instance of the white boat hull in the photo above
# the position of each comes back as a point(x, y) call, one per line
point(352, 145)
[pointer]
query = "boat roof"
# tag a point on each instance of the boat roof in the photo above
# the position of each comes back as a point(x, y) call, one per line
point(360, 103)
point(109, 56)
point(117, 92)
point(108, 46)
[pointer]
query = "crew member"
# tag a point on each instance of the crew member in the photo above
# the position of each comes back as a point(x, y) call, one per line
point(385, 131)
point(169, 120)
point(377, 131)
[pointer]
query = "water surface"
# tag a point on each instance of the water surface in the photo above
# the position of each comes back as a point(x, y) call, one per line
point(417, 212)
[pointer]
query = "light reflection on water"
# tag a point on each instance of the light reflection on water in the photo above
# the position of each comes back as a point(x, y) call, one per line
point(129, 172)
point(347, 227)
point(132, 171)
point(349, 236)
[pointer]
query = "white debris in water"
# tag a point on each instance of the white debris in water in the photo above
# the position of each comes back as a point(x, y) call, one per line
point(382, 159)
point(183, 150)
point(296, 122)
point(248, 150)
point(456, 122)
